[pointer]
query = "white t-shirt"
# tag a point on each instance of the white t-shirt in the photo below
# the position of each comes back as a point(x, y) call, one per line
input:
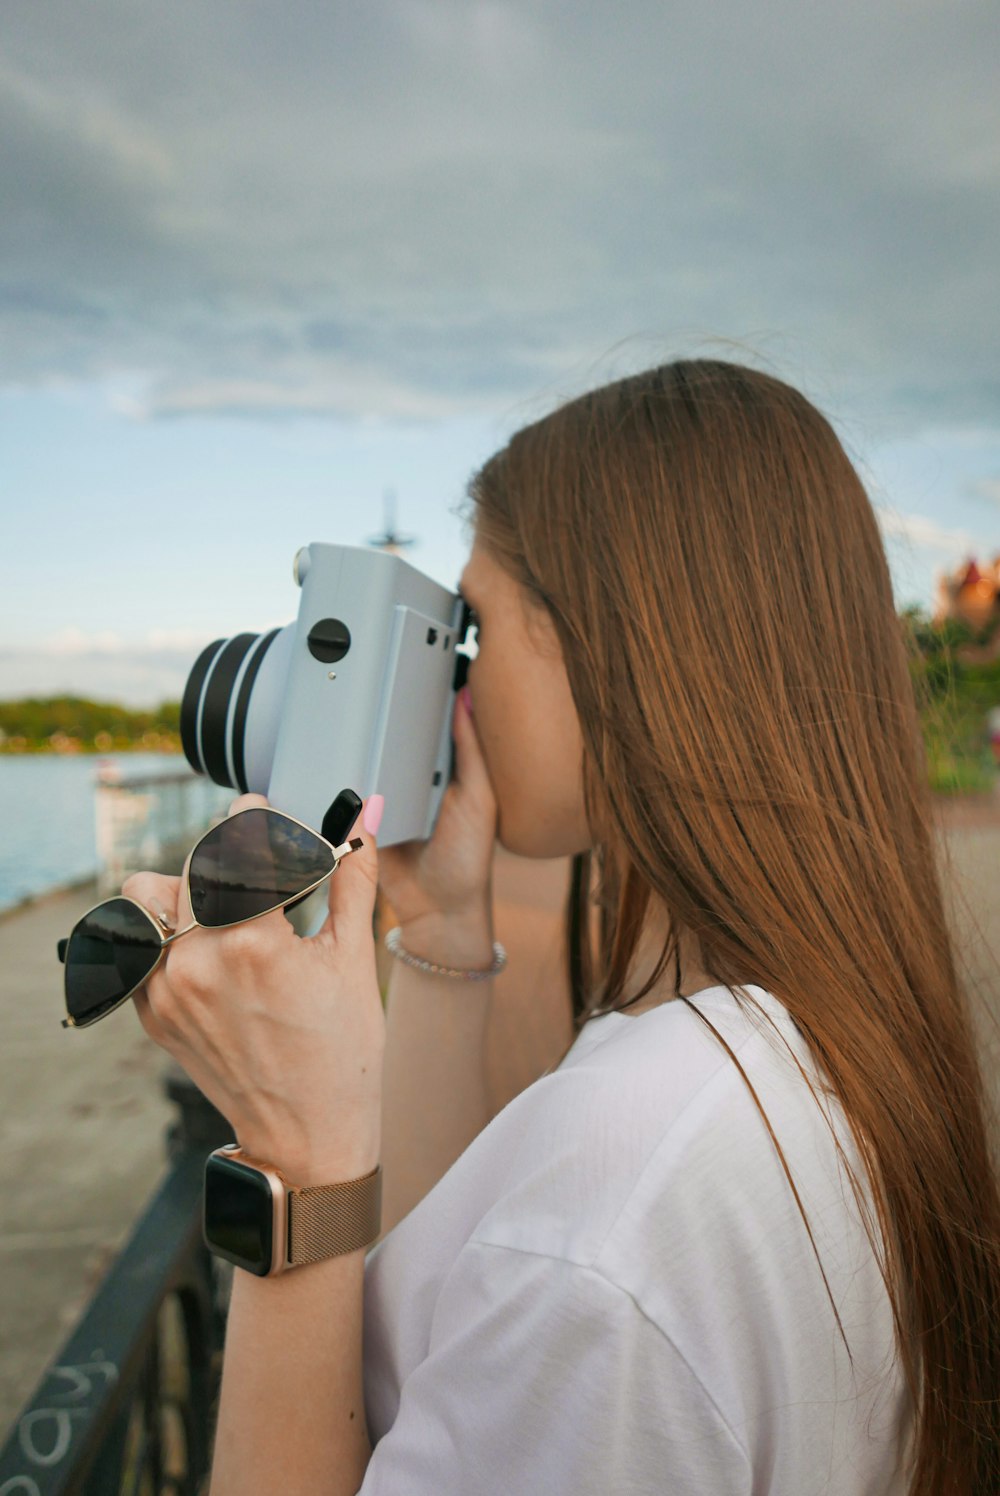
point(613, 1290)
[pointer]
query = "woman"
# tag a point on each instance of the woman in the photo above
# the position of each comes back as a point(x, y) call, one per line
point(745, 1236)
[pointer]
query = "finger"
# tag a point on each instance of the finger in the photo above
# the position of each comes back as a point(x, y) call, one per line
point(246, 802)
point(470, 765)
point(184, 914)
point(144, 1013)
point(156, 892)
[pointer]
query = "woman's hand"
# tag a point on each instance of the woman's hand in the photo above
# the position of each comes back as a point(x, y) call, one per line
point(450, 875)
point(284, 1035)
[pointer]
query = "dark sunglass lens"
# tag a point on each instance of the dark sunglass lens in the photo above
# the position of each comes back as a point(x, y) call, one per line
point(111, 951)
point(255, 861)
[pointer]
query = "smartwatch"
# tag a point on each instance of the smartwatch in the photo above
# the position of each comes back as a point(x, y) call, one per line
point(254, 1218)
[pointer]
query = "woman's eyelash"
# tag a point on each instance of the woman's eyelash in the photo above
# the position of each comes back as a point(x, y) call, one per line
point(472, 617)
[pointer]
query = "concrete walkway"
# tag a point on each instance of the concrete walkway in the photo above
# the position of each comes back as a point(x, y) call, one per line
point(972, 893)
point(82, 1122)
point(83, 1116)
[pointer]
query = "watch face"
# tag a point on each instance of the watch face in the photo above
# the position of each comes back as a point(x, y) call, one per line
point(239, 1214)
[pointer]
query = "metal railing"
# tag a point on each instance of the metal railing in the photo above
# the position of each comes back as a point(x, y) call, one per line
point(150, 820)
point(128, 1404)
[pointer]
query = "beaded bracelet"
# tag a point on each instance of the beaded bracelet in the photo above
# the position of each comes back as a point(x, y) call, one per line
point(392, 944)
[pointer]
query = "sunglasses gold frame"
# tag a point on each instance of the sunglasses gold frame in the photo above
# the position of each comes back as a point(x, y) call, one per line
point(161, 923)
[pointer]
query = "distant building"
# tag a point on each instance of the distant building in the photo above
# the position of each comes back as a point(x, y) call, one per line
point(970, 592)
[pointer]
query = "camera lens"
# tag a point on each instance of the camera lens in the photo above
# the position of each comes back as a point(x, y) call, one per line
point(216, 709)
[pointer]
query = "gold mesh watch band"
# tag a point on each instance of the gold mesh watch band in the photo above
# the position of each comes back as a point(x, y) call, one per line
point(326, 1220)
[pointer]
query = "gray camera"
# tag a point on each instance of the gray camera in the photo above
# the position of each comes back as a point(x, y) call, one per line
point(358, 691)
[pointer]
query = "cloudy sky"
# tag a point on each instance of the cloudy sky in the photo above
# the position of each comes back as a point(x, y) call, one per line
point(260, 263)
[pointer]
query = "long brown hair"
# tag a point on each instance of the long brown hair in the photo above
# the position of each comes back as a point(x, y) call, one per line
point(753, 758)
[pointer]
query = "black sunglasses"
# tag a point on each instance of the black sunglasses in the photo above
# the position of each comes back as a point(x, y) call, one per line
point(257, 861)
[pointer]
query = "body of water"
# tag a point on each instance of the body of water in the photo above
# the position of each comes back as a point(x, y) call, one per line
point(47, 816)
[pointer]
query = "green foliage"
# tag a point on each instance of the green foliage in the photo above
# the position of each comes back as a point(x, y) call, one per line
point(73, 724)
point(954, 696)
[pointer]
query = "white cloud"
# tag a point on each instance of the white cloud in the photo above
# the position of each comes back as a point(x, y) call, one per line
point(355, 394)
point(87, 116)
point(431, 204)
point(71, 642)
point(919, 532)
point(986, 488)
point(104, 666)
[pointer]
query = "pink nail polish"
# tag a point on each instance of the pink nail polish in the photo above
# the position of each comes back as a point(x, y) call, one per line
point(466, 695)
point(373, 813)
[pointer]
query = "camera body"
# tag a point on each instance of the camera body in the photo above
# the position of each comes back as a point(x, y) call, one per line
point(358, 691)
